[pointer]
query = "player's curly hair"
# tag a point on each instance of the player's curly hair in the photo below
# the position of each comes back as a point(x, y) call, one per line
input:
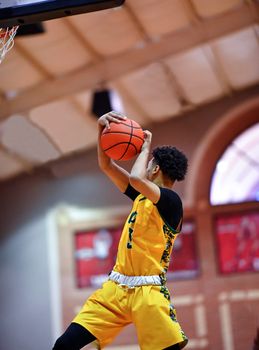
point(172, 162)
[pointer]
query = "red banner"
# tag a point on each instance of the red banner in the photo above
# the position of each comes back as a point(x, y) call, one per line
point(238, 242)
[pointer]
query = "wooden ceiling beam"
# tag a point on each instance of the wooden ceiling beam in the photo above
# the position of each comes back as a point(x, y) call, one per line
point(121, 64)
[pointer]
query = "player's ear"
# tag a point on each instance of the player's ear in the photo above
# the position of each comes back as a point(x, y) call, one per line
point(156, 169)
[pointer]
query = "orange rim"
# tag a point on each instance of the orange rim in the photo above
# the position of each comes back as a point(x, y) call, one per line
point(2, 33)
point(7, 31)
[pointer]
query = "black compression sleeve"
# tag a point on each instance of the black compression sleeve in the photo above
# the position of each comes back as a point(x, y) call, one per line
point(131, 192)
point(170, 207)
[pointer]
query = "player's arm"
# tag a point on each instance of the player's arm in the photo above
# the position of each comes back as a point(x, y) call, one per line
point(138, 176)
point(118, 175)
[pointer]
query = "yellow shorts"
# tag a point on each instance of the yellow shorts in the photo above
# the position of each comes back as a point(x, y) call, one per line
point(112, 307)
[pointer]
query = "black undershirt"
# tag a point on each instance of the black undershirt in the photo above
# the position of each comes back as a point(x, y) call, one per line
point(169, 205)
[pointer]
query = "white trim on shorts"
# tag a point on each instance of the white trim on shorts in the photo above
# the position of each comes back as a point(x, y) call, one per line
point(134, 281)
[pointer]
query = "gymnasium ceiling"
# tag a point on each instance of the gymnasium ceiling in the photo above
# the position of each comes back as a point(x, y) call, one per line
point(163, 58)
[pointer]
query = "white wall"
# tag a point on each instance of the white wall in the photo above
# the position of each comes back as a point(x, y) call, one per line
point(24, 293)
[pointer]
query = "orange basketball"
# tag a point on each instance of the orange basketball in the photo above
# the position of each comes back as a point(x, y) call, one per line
point(122, 141)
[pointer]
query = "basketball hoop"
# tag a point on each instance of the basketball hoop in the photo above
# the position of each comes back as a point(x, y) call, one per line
point(6, 40)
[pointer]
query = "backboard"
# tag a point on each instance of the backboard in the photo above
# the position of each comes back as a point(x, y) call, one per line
point(19, 12)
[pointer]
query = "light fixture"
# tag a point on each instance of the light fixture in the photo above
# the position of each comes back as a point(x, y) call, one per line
point(101, 103)
point(105, 100)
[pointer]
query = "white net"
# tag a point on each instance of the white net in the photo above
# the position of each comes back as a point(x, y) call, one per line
point(6, 40)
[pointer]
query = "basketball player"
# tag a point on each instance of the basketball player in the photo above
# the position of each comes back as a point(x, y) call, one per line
point(136, 289)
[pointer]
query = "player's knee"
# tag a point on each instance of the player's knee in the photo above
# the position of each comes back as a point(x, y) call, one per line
point(61, 344)
point(173, 347)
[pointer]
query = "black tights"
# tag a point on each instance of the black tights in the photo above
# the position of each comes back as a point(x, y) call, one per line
point(76, 337)
point(173, 347)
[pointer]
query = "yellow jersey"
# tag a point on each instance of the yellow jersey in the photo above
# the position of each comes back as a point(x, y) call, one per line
point(146, 242)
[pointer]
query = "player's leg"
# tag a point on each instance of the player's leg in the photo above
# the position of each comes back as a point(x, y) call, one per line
point(104, 314)
point(173, 347)
point(155, 320)
point(74, 338)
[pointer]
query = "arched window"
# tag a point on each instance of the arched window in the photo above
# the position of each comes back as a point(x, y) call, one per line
point(236, 176)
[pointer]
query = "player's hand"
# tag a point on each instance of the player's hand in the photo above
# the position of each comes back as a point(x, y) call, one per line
point(106, 119)
point(147, 140)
